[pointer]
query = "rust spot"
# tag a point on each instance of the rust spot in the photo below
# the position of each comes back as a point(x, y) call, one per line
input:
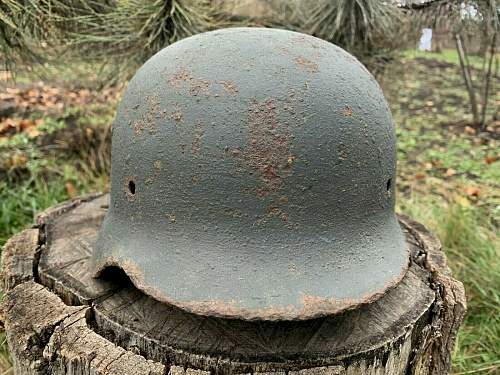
point(306, 64)
point(196, 86)
point(156, 173)
point(199, 87)
point(177, 115)
point(268, 149)
point(147, 120)
point(230, 87)
point(195, 179)
point(347, 111)
point(198, 136)
point(343, 155)
point(179, 77)
point(283, 199)
point(171, 217)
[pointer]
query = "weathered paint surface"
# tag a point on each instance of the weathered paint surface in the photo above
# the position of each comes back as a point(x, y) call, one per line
point(252, 172)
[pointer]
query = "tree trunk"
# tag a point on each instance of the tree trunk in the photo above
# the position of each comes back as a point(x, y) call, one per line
point(487, 80)
point(466, 73)
point(59, 320)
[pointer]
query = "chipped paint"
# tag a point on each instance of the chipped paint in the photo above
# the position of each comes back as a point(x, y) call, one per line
point(198, 136)
point(230, 87)
point(347, 111)
point(177, 115)
point(307, 65)
point(268, 150)
point(182, 75)
point(310, 307)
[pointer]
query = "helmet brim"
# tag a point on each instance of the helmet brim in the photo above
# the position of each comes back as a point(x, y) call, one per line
point(298, 279)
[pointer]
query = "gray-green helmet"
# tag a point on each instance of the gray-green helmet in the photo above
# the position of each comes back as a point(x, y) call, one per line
point(253, 175)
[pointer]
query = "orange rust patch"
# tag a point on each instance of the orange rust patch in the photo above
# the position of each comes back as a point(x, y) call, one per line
point(177, 115)
point(196, 86)
point(199, 133)
point(307, 65)
point(179, 77)
point(268, 148)
point(230, 87)
point(347, 111)
point(199, 87)
point(147, 120)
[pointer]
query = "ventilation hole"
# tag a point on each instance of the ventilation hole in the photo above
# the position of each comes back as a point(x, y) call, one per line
point(389, 183)
point(131, 187)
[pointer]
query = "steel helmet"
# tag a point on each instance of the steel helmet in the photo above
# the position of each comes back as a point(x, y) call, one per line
point(253, 175)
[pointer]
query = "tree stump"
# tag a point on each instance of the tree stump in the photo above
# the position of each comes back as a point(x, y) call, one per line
point(59, 320)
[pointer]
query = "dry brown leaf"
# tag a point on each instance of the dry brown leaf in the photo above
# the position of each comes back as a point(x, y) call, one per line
point(70, 189)
point(490, 159)
point(450, 172)
point(470, 130)
point(18, 160)
point(32, 132)
point(420, 176)
point(472, 191)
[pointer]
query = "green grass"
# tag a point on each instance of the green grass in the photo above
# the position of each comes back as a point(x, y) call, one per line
point(429, 105)
point(472, 245)
point(20, 205)
point(440, 163)
point(446, 55)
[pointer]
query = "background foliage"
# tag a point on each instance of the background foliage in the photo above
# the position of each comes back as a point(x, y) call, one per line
point(71, 60)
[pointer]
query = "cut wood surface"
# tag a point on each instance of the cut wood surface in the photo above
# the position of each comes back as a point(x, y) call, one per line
point(60, 320)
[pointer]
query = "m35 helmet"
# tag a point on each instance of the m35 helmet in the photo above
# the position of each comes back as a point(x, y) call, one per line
point(253, 177)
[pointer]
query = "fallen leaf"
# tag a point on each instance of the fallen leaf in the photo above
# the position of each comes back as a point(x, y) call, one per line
point(32, 132)
point(70, 189)
point(18, 160)
point(470, 130)
point(490, 159)
point(420, 176)
point(25, 124)
point(450, 172)
point(472, 191)
point(5, 75)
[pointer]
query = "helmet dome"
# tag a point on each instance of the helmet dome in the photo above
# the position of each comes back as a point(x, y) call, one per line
point(253, 175)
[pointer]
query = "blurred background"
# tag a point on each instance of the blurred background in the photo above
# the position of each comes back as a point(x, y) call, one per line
point(65, 63)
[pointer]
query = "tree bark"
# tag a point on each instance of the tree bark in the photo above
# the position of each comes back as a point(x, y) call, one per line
point(59, 320)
